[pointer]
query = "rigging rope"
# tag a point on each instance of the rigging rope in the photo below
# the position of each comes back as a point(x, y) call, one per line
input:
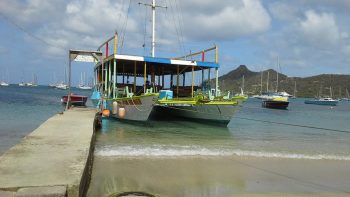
point(124, 27)
point(265, 121)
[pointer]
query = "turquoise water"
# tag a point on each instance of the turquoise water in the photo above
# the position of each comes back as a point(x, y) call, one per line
point(22, 109)
point(256, 153)
point(254, 131)
point(183, 158)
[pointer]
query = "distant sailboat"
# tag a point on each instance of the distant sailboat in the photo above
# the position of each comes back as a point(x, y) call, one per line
point(3, 83)
point(83, 85)
point(62, 85)
point(34, 83)
point(295, 90)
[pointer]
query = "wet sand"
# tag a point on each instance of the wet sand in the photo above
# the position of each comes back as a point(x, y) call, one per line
point(220, 176)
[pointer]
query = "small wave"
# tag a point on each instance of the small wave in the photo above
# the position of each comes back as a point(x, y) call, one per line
point(180, 151)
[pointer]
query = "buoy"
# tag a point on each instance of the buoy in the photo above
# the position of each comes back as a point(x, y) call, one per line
point(121, 112)
point(105, 112)
point(115, 107)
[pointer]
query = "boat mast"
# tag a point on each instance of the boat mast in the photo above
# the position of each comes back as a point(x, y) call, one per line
point(153, 6)
point(278, 65)
point(242, 85)
point(153, 26)
point(267, 83)
point(261, 82)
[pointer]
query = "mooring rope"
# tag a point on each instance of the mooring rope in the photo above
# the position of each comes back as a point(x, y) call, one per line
point(267, 121)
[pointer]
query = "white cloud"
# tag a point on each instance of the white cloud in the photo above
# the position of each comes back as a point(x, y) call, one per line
point(283, 11)
point(229, 21)
point(320, 30)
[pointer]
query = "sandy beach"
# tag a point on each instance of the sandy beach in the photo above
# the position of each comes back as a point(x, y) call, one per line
point(221, 176)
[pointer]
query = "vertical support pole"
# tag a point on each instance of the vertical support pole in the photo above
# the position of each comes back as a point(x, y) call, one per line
point(192, 80)
point(69, 82)
point(114, 77)
point(123, 74)
point(158, 77)
point(106, 75)
point(109, 77)
point(135, 78)
point(177, 80)
point(209, 80)
point(115, 43)
point(163, 77)
point(202, 56)
point(171, 81)
point(144, 77)
point(102, 82)
point(184, 80)
point(202, 79)
point(106, 49)
point(216, 81)
point(153, 77)
point(217, 71)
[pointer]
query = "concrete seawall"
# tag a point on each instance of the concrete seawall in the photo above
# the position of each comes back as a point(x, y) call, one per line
point(53, 160)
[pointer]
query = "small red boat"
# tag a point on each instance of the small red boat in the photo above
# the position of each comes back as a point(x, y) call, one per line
point(78, 100)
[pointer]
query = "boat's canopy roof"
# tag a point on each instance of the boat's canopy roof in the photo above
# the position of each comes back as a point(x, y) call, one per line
point(125, 64)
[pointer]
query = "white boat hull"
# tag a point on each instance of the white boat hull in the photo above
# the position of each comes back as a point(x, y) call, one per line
point(136, 109)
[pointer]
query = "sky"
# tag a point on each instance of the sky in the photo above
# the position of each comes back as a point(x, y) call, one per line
point(310, 37)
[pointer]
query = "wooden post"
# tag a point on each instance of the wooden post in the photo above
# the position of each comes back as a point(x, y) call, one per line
point(106, 49)
point(115, 42)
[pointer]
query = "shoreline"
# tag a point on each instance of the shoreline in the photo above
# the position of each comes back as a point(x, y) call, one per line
point(221, 176)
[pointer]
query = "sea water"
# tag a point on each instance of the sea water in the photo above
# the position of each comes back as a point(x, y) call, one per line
point(22, 109)
point(188, 158)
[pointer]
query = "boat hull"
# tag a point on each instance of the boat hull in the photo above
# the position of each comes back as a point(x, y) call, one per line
point(275, 104)
point(206, 112)
point(136, 109)
point(77, 100)
point(316, 102)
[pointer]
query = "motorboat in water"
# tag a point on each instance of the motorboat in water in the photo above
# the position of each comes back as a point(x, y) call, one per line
point(77, 100)
point(322, 101)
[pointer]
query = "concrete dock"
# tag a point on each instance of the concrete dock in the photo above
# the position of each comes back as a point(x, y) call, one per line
point(53, 160)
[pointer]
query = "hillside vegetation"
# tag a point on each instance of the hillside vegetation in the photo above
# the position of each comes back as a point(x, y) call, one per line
point(305, 87)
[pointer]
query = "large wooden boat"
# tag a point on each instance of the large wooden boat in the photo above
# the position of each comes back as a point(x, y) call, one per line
point(139, 100)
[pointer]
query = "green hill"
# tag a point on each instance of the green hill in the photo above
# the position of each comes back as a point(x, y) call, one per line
point(305, 87)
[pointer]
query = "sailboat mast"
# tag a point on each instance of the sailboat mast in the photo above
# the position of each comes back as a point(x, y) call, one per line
point(153, 26)
point(267, 82)
point(261, 82)
point(153, 6)
point(278, 65)
point(243, 84)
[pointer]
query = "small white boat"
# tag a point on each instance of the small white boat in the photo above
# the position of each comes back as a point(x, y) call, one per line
point(322, 101)
point(62, 86)
point(85, 87)
point(3, 83)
